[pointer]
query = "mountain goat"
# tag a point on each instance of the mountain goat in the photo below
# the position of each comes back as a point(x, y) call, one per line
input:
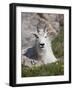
point(41, 52)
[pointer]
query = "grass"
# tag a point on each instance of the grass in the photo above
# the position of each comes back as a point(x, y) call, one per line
point(58, 44)
point(44, 70)
point(52, 69)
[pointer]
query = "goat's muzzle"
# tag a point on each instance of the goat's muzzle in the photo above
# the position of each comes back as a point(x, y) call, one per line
point(42, 45)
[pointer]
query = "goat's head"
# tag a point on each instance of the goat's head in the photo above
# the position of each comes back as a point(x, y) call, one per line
point(41, 35)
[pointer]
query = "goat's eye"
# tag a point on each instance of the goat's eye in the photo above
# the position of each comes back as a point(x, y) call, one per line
point(36, 35)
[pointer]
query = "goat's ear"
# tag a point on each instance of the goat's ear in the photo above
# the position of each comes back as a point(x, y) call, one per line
point(35, 35)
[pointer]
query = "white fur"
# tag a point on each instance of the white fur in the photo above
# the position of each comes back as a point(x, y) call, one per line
point(45, 54)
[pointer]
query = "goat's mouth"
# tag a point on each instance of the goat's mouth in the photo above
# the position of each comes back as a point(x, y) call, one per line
point(41, 46)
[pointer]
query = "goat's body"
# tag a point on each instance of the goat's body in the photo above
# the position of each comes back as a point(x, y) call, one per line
point(46, 54)
point(39, 56)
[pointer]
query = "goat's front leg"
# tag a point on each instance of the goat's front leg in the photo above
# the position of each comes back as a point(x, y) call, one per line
point(33, 62)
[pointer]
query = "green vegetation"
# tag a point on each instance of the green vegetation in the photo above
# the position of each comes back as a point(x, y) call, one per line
point(44, 70)
point(58, 44)
point(52, 69)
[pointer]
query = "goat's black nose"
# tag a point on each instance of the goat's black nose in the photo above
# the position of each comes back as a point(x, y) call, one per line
point(42, 45)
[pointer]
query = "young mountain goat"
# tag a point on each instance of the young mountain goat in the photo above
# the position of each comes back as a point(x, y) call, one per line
point(42, 50)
